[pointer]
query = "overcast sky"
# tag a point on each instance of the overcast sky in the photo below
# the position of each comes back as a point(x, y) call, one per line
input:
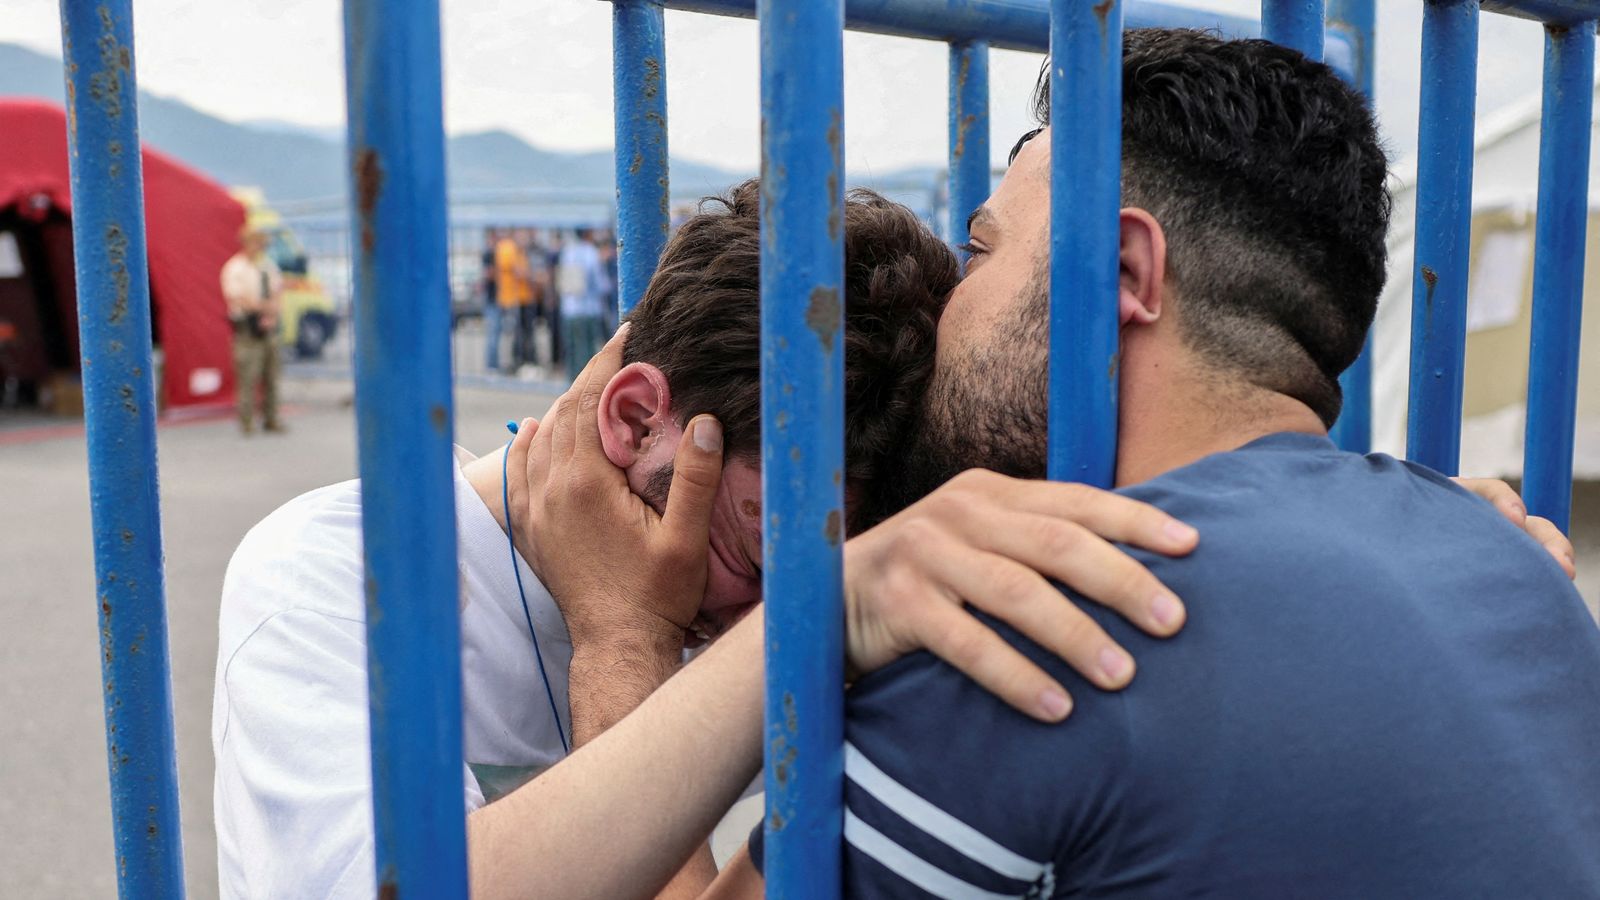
point(542, 69)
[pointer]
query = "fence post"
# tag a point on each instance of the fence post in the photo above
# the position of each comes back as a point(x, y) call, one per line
point(404, 423)
point(639, 87)
point(802, 439)
point(1353, 430)
point(119, 399)
point(1444, 227)
point(969, 134)
point(1085, 202)
point(1294, 23)
point(1559, 244)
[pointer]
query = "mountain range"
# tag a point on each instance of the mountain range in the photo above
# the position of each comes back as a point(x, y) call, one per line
point(291, 162)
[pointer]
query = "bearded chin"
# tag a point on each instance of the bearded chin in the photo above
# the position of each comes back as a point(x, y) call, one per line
point(992, 416)
point(989, 410)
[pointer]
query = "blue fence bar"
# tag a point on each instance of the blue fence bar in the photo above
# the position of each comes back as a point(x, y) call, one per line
point(639, 78)
point(802, 439)
point(119, 401)
point(1085, 199)
point(404, 422)
point(1355, 19)
point(1294, 23)
point(1444, 224)
point(1559, 242)
point(969, 133)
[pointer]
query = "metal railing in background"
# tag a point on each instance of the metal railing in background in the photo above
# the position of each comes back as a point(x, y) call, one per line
point(403, 359)
point(1443, 233)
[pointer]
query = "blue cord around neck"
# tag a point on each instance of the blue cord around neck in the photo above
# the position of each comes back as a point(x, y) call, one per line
point(511, 541)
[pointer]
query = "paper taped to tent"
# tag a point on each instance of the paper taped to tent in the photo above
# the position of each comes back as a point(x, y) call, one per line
point(1499, 305)
point(192, 227)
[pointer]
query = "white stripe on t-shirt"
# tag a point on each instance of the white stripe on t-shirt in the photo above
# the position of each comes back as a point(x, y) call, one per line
point(911, 867)
point(949, 830)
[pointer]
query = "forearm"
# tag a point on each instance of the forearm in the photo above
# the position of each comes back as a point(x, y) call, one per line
point(607, 681)
point(618, 817)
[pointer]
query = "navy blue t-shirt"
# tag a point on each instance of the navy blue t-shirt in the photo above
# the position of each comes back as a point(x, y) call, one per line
point(1384, 689)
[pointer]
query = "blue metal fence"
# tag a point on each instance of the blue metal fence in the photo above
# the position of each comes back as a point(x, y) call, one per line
point(120, 422)
point(404, 422)
point(403, 365)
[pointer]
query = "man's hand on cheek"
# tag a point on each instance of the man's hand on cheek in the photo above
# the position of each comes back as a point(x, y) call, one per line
point(617, 570)
point(995, 543)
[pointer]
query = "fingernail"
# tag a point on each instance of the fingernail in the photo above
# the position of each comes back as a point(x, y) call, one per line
point(1115, 665)
point(1166, 610)
point(1180, 532)
point(1054, 704)
point(708, 435)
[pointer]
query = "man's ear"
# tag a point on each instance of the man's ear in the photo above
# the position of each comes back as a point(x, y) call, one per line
point(634, 407)
point(1143, 260)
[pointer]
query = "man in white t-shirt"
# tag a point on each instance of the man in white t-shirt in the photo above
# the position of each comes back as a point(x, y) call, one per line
point(290, 716)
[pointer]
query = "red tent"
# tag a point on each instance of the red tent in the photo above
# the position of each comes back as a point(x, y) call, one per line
point(191, 225)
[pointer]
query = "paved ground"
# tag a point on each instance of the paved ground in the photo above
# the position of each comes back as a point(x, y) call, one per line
point(55, 837)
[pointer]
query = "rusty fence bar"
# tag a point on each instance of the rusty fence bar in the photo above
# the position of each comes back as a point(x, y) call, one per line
point(639, 79)
point(1085, 196)
point(404, 424)
point(969, 134)
point(1444, 224)
point(802, 440)
point(108, 245)
point(1559, 244)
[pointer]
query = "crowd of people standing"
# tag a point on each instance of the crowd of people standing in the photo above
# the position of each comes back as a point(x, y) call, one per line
point(540, 282)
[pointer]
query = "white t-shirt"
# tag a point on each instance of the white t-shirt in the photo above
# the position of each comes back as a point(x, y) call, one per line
point(290, 720)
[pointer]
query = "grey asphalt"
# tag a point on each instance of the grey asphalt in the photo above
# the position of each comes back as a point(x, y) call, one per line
point(55, 833)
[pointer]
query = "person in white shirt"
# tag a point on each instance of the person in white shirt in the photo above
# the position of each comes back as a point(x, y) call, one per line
point(252, 286)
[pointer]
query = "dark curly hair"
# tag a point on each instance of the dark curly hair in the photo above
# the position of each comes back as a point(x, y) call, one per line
point(1266, 173)
point(699, 323)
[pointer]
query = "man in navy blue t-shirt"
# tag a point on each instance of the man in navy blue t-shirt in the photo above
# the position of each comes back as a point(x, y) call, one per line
point(1358, 707)
point(1383, 688)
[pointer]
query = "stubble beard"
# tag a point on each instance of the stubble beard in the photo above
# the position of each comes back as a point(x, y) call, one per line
point(987, 410)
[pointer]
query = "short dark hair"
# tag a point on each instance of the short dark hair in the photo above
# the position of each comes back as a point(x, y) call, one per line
point(1266, 173)
point(699, 322)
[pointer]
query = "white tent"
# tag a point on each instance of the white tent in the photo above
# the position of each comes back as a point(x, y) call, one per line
point(1505, 182)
